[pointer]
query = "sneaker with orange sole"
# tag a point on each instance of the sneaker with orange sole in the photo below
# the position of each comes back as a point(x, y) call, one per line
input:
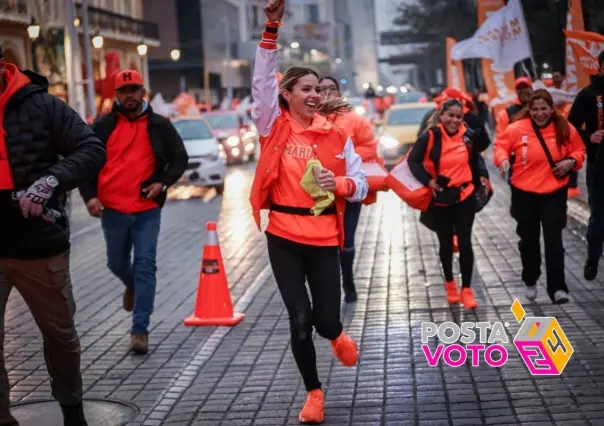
point(345, 349)
point(467, 298)
point(313, 411)
point(455, 244)
point(451, 291)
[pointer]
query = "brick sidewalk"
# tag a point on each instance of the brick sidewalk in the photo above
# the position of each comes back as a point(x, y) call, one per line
point(247, 376)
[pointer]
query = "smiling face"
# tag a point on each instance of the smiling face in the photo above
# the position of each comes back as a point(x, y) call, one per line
point(541, 112)
point(451, 118)
point(304, 96)
point(329, 89)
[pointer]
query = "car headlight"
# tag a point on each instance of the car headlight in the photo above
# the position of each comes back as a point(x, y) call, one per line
point(360, 110)
point(388, 142)
point(233, 141)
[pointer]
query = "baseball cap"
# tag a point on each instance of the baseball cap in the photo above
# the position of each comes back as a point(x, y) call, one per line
point(128, 78)
point(523, 81)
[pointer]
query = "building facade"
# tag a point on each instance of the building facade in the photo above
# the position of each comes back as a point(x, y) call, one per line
point(116, 30)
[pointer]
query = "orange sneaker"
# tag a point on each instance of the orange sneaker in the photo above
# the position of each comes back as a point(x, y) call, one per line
point(345, 349)
point(467, 298)
point(313, 411)
point(452, 293)
point(455, 244)
point(574, 192)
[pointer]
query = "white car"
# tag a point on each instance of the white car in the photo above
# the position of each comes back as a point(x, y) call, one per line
point(207, 159)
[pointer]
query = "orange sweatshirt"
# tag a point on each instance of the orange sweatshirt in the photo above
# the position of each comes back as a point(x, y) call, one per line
point(531, 169)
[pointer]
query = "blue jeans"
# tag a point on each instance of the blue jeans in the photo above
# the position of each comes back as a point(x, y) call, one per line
point(123, 233)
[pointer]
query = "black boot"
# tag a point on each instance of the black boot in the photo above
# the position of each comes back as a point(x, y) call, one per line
point(73, 415)
point(346, 261)
point(590, 270)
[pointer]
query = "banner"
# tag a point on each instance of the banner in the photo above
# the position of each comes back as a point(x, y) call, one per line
point(500, 86)
point(503, 38)
point(455, 74)
point(586, 46)
point(576, 78)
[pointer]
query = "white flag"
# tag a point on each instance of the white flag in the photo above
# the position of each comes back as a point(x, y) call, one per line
point(503, 38)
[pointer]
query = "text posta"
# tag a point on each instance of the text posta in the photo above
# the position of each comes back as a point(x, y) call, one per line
point(470, 340)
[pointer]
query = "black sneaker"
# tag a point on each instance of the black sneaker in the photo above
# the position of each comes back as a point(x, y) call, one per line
point(590, 271)
point(73, 415)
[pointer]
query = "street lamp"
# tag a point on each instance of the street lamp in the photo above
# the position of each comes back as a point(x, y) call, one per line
point(97, 41)
point(295, 45)
point(338, 60)
point(33, 30)
point(175, 54)
point(142, 48)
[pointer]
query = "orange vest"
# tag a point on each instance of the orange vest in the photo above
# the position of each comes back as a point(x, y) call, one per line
point(267, 169)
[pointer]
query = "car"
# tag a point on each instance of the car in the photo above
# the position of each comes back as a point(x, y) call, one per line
point(238, 139)
point(410, 97)
point(359, 104)
point(398, 132)
point(207, 159)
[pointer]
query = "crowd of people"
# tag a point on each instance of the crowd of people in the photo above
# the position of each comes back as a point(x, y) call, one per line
point(318, 166)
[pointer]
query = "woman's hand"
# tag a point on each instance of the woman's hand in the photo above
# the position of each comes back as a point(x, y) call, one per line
point(563, 167)
point(484, 181)
point(434, 186)
point(274, 10)
point(325, 178)
point(504, 168)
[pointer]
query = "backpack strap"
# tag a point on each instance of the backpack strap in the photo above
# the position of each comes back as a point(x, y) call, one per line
point(434, 148)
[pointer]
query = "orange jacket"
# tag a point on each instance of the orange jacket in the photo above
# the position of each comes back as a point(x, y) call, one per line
point(531, 170)
point(332, 146)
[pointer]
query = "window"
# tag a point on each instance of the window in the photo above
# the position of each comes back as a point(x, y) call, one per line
point(192, 129)
point(313, 14)
point(255, 23)
point(402, 117)
point(223, 121)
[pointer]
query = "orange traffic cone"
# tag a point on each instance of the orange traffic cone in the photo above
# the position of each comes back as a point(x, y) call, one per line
point(213, 305)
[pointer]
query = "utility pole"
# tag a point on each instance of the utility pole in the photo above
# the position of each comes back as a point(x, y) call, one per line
point(227, 54)
point(72, 57)
point(206, 63)
point(88, 56)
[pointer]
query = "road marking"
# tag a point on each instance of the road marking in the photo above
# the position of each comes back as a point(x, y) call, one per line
point(181, 382)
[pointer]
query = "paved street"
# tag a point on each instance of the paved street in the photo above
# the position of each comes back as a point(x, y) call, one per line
point(247, 376)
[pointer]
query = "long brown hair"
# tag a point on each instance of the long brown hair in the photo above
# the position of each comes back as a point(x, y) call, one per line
point(560, 123)
point(325, 107)
point(435, 118)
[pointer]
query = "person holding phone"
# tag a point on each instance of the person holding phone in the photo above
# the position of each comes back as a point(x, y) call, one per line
point(302, 247)
point(547, 148)
point(444, 159)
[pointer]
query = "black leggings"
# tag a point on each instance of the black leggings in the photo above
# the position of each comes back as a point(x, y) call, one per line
point(293, 264)
point(456, 219)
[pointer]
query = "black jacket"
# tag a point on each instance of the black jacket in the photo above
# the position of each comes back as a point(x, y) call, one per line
point(44, 136)
point(584, 111)
point(417, 155)
point(171, 157)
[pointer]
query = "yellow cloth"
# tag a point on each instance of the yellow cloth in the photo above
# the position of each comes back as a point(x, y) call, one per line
point(323, 199)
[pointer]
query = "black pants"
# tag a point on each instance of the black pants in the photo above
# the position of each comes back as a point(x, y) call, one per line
point(293, 264)
point(458, 219)
point(533, 211)
point(351, 221)
point(595, 226)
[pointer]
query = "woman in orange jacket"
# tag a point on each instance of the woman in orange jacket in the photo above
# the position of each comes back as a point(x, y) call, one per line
point(547, 148)
point(360, 131)
point(303, 247)
point(444, 159)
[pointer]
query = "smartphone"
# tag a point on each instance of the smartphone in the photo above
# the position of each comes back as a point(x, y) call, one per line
point(443, 181)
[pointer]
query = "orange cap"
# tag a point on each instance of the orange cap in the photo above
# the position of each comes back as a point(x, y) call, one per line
point(523, 81)
point(128, 78)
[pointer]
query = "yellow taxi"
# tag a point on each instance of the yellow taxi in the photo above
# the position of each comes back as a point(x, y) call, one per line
point(398, 131)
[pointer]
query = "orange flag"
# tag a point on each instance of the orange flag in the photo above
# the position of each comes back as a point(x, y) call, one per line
point(586, 47)
point(576, 77)
point(455, 74)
